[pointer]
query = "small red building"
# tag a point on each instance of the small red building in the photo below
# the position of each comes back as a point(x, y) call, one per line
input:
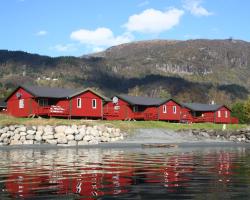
point(125, 107)
point(28, 101)
point(199, 113)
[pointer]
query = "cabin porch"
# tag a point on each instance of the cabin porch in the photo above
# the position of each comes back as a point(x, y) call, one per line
point(49, 107)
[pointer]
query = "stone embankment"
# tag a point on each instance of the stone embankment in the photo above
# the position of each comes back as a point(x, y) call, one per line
point(58, 135)
point(241, 135)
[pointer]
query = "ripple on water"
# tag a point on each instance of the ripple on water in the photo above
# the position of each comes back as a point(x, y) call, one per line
point(214, 173)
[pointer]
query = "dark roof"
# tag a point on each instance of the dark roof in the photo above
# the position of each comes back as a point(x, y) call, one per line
point(49, 92)
point(57, 93)
point(144, 101)
point(201, 107)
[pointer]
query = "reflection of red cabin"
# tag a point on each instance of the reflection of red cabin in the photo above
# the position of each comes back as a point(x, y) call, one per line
point(41, 101)
point(173, 174)
point(126, 107)
point(221, 165)
point(22, 185)
point(93, 185)
point(88, 185)
point(199, 113)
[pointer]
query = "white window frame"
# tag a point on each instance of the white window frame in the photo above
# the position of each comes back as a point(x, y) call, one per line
point(94, 103)
point(174, 109)
point(164, 109)
point(79, 102)
point(219, 114)
point(21, 103)
point(226, 114)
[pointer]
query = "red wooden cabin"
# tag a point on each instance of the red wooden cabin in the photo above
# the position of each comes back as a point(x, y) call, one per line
point(28, 101)
point(124, 107)
point(199, 113)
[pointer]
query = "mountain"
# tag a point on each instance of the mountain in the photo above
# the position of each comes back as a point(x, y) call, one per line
point(193, 70)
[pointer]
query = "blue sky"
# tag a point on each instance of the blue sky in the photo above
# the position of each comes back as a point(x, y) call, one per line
point(77, 27)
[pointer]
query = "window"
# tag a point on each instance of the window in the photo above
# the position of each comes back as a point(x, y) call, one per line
point(93, 103)
point(226, 114)
point(21, 103)
point(174, 109)
point(79, 102)
point(43, 102)
point(139, 108)
point(219, 114)
point(164, 109)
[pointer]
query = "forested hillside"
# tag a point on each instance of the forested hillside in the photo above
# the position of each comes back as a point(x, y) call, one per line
point(194, 70)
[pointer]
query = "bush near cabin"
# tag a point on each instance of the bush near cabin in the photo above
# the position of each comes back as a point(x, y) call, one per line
point(241, 110)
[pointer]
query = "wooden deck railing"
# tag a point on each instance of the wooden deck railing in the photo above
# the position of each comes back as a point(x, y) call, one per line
point(138, 115)
point(204, 119)
point(43, 110)
point(234, 120)
point(150, 116)
point(52, 111)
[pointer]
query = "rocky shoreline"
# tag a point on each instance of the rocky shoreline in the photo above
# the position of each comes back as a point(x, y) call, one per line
point(58, 135)
point(241, 135)
point(91, 135)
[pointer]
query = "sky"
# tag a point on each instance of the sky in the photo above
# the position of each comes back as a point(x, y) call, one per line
point(78, 27)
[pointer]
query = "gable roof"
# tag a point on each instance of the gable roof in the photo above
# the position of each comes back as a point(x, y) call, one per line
point(144, 101)
point(88, 89)
point(57, 93)
point(202, 107)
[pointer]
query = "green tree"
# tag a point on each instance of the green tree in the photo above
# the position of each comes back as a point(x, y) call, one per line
point(135, 91)
point(247, 110)
point(238, 110)
point(164, 93)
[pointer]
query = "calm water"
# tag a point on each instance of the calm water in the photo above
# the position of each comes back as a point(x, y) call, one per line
point(187, 173)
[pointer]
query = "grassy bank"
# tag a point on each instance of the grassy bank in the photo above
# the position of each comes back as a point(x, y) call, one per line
point(124, 125)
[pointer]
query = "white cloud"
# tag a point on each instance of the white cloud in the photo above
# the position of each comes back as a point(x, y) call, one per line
point(64, 47)
point(42, 33)
point(101, 37)
point(97, 49)
point(144, 3)
point(194, 6)
point(154, 21)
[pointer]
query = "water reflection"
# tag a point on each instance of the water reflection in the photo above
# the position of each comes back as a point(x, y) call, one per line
point(124, 174)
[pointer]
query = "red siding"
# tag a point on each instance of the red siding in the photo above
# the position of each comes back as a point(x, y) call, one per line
point(86, 109)
point(186, 115)
point(65, 105)
point(151, 113)
point(223, 118)
point(69, 106)
point(30, 105)
point(212, 117)
point(119, 111)
point(123, 111)
point(170, 115)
